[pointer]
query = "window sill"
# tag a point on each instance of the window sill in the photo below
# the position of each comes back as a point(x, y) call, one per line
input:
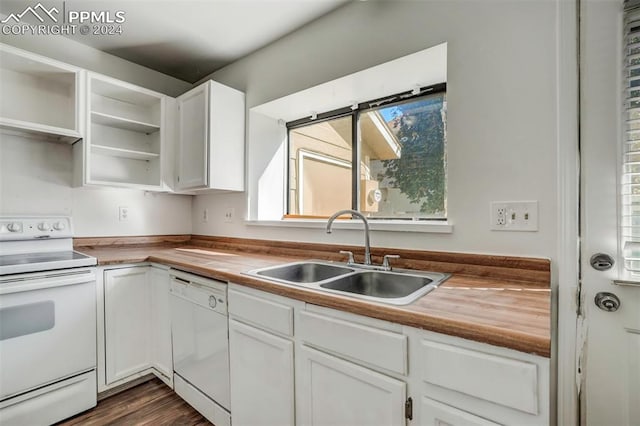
point(435, 227)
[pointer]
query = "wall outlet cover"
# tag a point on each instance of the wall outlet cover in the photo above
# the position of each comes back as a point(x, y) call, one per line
point(123, 213)
point(513, 216)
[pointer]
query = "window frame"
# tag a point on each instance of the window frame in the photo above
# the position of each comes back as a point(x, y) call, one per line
point(355, 111)
point(629, 242)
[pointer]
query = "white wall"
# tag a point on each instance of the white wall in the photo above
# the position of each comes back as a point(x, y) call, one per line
point(74, 53)
point(35, 176)
point(502, 117)
point(35, 179)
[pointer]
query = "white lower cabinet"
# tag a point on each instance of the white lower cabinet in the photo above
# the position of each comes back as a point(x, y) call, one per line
point(434, 413)
point(332, 391)
point(261, 353)
point(127, 322)
point(136, 323)
point(262, 377)
point(355, 370)
point(462, 382)
point(161, 354)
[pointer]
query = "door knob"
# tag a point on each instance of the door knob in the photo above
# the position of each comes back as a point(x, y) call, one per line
point(607, 301)
point(601, 262)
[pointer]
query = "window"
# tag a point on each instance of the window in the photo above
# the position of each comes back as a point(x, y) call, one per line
point(395, 170)
point(320, 168)
point(631, 151)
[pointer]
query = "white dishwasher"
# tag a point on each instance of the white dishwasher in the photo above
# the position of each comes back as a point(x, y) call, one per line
point(200, 327)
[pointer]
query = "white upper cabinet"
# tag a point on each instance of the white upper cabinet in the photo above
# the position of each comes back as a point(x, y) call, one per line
point(40, 96)
point(210, 145)
point(193, 145)
point(125, 136)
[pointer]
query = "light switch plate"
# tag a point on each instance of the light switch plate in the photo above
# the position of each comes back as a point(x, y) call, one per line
point(228, 214)
point(514, 216)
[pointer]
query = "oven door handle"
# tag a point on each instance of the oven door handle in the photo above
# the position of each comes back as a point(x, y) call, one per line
point(46, 281)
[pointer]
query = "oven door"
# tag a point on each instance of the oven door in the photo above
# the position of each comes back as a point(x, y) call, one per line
point(47, 328)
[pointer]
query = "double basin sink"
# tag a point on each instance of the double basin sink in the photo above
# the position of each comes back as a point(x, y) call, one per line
point(397, 287)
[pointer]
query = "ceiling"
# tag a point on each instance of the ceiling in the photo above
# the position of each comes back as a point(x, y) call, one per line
point(188, 39)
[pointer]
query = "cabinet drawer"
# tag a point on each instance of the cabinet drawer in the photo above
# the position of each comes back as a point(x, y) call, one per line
point(509, 382)
point(376, 347)
point(433, 413)
point(263, 313)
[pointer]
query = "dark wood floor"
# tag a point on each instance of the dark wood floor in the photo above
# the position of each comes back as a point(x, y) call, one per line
point(151, 403)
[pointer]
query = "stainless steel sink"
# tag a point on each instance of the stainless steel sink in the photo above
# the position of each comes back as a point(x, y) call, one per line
point(397, 287)
point(303, 272)
point(379, 284)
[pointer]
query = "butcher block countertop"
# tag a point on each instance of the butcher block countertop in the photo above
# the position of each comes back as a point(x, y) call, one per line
point(502, 301)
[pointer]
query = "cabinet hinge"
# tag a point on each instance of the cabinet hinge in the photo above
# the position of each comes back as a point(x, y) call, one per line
point(408, 409)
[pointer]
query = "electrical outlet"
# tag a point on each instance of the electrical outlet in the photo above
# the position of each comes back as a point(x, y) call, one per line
point(205, 215)
point(513, 216)
point(500, 215)
point(123, 214)
point(228, 215)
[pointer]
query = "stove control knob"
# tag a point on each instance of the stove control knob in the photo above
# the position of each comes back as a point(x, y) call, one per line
point(14, 227)
point(59, 226)
point(44, 226)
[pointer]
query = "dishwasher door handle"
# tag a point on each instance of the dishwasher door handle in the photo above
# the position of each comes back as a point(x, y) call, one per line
point(182, 280)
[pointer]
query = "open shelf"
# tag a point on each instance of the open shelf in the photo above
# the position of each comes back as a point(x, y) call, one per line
point(125, 134)
point(30, 85)
point(48, 133)
point(123, 153)
point(123, 123)
point(107, 168)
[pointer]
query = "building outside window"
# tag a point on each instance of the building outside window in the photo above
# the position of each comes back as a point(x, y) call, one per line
point(395, 170)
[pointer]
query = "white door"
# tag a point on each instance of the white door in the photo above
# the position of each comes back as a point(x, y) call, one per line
point(193, 140)
point(331, 391)
point(161, 357)
point(611, 357)
point(262, 391)
point(127, 314)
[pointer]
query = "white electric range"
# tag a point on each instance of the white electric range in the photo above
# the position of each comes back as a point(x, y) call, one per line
point(47, 322)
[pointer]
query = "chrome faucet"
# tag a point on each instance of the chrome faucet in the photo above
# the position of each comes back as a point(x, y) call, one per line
point(367, 245)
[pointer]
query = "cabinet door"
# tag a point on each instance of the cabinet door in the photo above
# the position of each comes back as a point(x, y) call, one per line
point(332, 391)
point(160, 331)
point(127, 315)
point(434, 413)
point(226, 140)
point(261, 377)
point(193, 140)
